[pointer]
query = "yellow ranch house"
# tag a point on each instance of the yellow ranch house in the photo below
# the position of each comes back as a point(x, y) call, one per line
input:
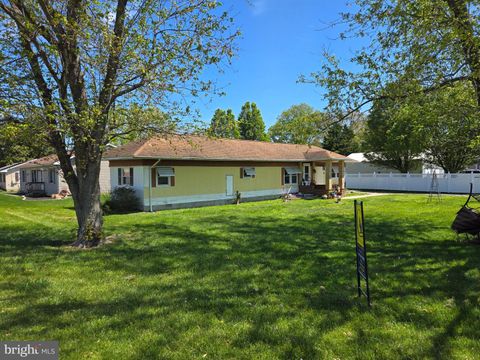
point(189, 171)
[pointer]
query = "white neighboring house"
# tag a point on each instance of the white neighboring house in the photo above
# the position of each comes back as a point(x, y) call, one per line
point(10, 178)
point(363, 166)
point(43, 176)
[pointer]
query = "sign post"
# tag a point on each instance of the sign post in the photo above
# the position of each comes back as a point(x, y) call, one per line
point(361, 250)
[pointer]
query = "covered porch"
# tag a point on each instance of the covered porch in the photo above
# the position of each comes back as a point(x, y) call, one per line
point(35, 189)
point(323, 177)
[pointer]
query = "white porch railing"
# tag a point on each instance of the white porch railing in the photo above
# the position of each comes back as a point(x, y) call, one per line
point(447, 183)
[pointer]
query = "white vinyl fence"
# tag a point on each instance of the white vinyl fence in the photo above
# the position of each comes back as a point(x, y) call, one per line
point(447, 183)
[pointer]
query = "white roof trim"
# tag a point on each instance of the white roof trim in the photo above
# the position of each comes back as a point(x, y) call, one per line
point(226, 159)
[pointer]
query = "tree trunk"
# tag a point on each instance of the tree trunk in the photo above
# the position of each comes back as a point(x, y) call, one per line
point(86, 197)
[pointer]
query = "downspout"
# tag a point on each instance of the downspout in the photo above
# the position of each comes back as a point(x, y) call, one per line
point(150, 185)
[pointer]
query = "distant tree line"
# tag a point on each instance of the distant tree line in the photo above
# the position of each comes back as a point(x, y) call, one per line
point(441, 128)
point(416, 77)
point(20, 141)
point(248, 126)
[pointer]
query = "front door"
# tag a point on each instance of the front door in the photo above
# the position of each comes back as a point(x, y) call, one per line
point(229, 179)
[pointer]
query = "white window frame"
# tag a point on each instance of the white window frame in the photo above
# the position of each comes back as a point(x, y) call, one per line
point(171, 173)
point(125, 180)
point(288, 178)
point(163, 185)
point(249, 173)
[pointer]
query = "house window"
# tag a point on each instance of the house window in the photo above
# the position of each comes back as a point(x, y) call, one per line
point(248, 172)
point(37, 176)
point(51, 176)
point(16, 177)
point(23, 176)
point(125, 176)
point(2, 178)
point(165, 176)
point(334, 175)
point(290, 175)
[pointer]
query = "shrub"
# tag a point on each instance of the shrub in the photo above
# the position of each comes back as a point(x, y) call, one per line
point(122, 199)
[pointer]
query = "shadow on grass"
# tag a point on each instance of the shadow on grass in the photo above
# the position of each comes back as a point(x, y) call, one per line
point(286, 282)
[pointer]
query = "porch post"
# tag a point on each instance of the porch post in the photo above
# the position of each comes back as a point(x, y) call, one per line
point(328, 176)
point(341, 176)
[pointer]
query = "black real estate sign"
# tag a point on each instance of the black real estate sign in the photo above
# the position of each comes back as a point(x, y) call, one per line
point(361, 250)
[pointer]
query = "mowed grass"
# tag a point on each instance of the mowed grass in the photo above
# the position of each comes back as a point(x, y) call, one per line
point(265, 280)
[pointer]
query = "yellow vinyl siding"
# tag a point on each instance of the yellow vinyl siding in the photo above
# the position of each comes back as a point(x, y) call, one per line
point(195, 180)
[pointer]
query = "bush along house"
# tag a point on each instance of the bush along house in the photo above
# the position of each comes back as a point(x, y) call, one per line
point(189, 171)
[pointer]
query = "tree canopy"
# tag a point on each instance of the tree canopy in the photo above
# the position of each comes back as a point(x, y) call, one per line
point(436, 43)
point(395, 135)
point(452, 120)
point(340, 138)
point(440, 127)
point(250, 123)
point(137, 122)
point(20, 142)
point(224, 125)
point(299, 124)
point(71, 62)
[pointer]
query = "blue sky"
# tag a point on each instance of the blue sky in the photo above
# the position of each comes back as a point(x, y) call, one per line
point(281, 39)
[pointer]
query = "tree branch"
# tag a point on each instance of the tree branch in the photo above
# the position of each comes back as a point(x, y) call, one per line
point(114, 56)
point(384, 97)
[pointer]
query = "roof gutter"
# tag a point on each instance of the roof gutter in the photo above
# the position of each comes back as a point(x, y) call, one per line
point(228, 159)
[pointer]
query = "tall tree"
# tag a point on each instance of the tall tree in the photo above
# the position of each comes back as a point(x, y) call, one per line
point(440, 127)
point(396, 136)
point(70, 61)
point(250, 123)
point(224, 125)
point(20, 142)
point(452, 121)
point(434, 42)
point(299, 124)
point(341, 139)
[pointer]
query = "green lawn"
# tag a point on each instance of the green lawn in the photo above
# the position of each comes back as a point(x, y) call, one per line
point(262, 280)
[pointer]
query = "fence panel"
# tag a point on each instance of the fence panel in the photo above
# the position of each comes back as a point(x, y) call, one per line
point(447, 183)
